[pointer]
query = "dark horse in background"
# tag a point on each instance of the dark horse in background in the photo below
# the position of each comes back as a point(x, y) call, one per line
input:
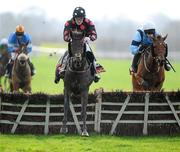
point(150, 75)
point(21, 72)
point(4, 59)
point(77, 79)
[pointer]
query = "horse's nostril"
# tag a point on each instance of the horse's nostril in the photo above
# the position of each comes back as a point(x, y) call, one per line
point(78, 64)
point(22, 61)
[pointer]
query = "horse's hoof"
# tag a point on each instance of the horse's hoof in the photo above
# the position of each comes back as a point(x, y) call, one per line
point(64, 130)
point(27, 93)
point(85, 133)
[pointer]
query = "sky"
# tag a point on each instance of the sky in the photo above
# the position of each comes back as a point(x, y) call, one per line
point(137, 10)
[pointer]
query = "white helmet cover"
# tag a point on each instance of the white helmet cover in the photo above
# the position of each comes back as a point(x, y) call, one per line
point(148, 25)
point(4, 41)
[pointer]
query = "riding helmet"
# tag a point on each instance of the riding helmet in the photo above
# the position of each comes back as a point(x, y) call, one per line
point(79, 12)
point(19, 29)
point(149, 27)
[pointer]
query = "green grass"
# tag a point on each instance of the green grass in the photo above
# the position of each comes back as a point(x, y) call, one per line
point(94, 143)
point(115, 78)
point(54, 45)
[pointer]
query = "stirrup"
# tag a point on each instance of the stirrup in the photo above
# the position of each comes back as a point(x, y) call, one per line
point(167, 67)
point(96, 78)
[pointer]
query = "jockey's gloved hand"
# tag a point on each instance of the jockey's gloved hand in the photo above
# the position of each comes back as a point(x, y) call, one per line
point(16, 50)
point(86, 40)
point(92, 37)
point(142, 47)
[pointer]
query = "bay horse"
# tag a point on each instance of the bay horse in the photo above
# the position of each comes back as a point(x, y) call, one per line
point(150, 75)
point(77, 79)
point(5, 56)
point(21, 72)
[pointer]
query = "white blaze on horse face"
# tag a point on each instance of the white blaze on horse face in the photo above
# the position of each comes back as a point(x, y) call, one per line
point(79, 20)
point(78, 55)
point(22, 58)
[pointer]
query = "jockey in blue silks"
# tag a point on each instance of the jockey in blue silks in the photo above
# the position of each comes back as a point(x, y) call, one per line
point(15, 42)
point(140, 42)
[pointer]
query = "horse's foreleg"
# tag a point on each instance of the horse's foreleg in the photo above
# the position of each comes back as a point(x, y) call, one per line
point(136, 84)
point(84, 101)
point(64, 128)
point(15, 87)
point(27, 89)
point(142, 84)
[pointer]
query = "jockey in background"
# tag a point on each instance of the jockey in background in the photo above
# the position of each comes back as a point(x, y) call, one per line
point(141, 41)
point(16, 41)
point(79, 22)
point(3, 47)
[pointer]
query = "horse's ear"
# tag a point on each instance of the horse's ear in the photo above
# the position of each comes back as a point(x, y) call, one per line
point(164, 38)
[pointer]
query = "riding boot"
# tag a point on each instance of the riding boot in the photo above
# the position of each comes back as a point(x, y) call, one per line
point(134, 65)
point(33, 71)
point(167, 67)
point(60, 68)
point(97, 68)
point(9, 66)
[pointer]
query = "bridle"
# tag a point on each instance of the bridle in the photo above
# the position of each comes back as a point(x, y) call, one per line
point(158, 59)
point(77, 60)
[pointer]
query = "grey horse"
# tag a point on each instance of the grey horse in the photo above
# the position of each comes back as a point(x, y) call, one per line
point(77, 79)
point(21, 74)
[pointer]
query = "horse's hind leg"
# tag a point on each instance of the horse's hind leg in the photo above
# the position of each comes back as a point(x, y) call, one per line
point(84, 101)
point(64, 128)
point(1, 87)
